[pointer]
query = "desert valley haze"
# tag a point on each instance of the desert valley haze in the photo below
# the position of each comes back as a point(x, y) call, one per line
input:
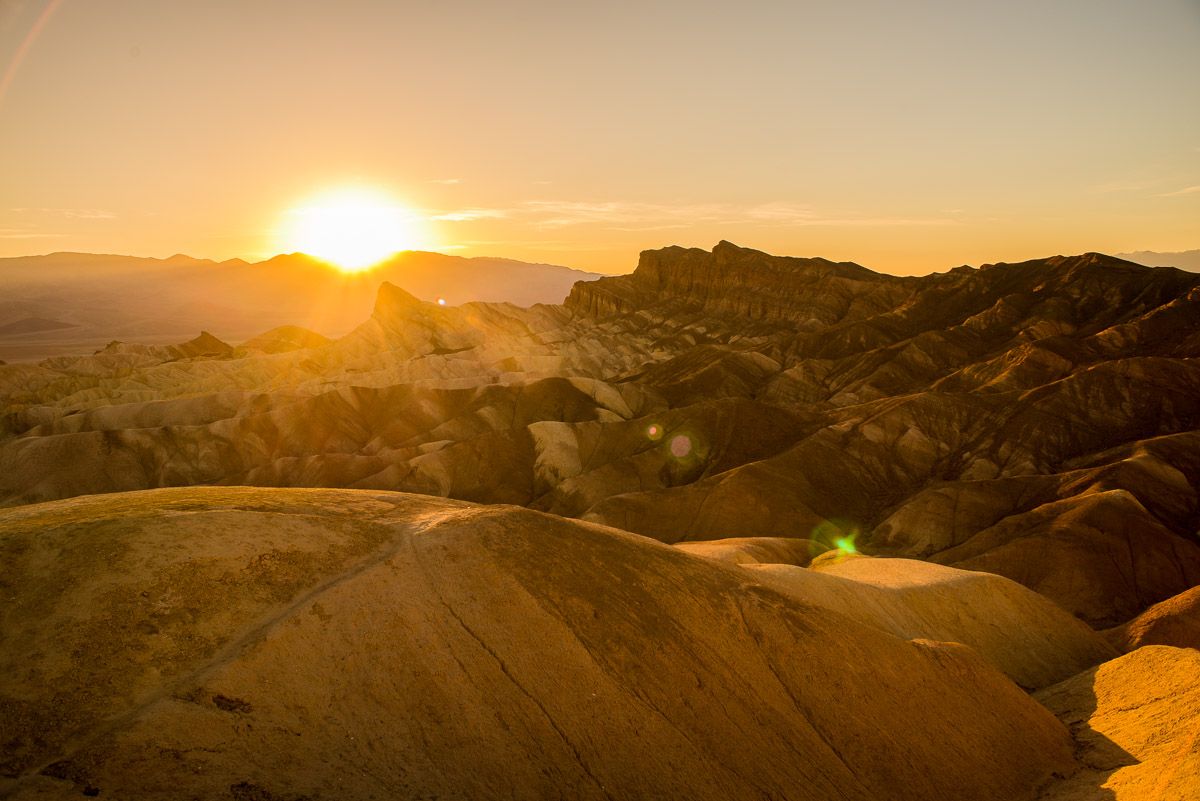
point(792, 401)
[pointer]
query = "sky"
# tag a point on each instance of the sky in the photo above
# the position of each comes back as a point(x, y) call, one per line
point(908, 137)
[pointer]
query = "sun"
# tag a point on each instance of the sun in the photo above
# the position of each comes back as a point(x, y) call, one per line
point(351, 228)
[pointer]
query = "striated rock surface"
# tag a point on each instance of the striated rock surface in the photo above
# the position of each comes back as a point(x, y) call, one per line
point(267, 643)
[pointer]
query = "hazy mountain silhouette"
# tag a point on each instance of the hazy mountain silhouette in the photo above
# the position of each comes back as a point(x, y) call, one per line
point(99, 298)
point(1184, 260)
point(33, 325)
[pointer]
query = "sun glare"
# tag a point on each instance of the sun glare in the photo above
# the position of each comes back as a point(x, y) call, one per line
point(352, 229)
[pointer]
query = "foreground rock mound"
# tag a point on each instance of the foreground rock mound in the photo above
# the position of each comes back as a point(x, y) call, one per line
point(1016, 630)
point(262, 643)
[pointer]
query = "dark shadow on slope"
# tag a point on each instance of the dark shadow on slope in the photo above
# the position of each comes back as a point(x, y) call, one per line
point(1074, 703)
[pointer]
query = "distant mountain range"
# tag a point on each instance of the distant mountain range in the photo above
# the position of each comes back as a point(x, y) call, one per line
point(1184, 260)
point(74, 303)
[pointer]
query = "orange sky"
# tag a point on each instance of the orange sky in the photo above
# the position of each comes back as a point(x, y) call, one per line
point(909, 137)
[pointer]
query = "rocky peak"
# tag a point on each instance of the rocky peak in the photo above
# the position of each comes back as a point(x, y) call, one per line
point(692, 268)
point(744, 283)
point(412, 325)
point(205, 345)
point(392, 302)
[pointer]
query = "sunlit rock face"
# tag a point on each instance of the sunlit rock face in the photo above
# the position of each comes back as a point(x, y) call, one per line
point(1035, 420)
point(1136, 722)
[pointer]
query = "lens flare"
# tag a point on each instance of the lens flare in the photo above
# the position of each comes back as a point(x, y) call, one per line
point(654, 432)
point(681, 446)
point(840, 536)
point(26, 45)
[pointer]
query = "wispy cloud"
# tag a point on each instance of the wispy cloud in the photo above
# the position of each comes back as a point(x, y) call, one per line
point(624, 216)
point(72, 214)
point(881, 222)
point(35, 222)
point(641, 228)
point(779, 213)
point(562, 213)
point(1124, 186)
point(446, 181)
point(649, 216)
point(18, 233)
point(89, 214)
point(1187, 190)
point(549, 245)
point(467, 215)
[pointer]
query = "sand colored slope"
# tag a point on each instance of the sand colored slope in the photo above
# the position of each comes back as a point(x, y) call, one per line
point(261, 643)
point(1018, 631)
point(1175, 621)
point(756, 550)
point(1136, 721)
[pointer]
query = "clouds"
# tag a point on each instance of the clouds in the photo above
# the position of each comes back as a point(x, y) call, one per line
point(1145, 187)
point(639, 216)
point(45, 223)
point(564, 213)
point(1187, 190)
point(468, 215)
point(70, 214)
point(20, 233)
